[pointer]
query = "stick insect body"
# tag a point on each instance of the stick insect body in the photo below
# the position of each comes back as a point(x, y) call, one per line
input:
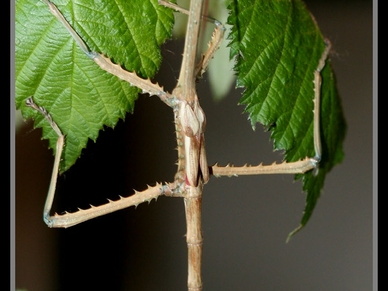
point(193, 171)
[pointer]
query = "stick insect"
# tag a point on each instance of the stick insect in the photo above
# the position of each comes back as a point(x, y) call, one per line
point(190, 122)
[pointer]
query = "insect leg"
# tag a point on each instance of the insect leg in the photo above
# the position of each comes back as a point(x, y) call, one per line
point(58, 153)
point(107, 65)
point(298, 167)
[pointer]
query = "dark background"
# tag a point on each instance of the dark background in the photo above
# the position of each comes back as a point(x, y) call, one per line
point(245, 220)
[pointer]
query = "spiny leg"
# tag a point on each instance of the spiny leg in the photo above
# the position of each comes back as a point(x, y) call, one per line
point(70, 219)
point(107, 65)
point(213, 46)
point(298, 167)
point(214, 43)
point(317, 101)
point(58, 153)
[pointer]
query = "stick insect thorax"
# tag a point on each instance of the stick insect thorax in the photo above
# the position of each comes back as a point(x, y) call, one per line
point(189, 117)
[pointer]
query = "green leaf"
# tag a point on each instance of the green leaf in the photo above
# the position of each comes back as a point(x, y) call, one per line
point(80, 97)
point(277, 46)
